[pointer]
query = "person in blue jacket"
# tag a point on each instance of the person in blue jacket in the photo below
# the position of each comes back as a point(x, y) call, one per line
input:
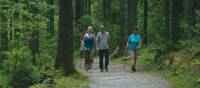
point(134, 42)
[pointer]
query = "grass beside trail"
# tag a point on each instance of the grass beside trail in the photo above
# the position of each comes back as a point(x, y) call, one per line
point(179, 80)
point(78, 80)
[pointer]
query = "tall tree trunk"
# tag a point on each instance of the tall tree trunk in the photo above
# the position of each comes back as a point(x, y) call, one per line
point(34, 44)
point(81, 7)
point(167, 19)
point(51, 17)
point(122, 41)
point(108, 7)
point(78, 10)
point(65, 38)
point(132, 13)
point(104, 9)
point(4, 43)
point(3, 34)
point(191, 16)
point(175, 20)
point(145, 20)
point(89, 7)
point(84, 7)
point(196, 4)
point(4, 40)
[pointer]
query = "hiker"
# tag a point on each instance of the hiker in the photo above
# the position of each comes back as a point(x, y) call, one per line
point(134, 42)
point(82, 36)
point(88, 47)
point(103, 44)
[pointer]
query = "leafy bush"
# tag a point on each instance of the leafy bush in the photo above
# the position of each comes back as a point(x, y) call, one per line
point(184, 68)
point(19, 68)
point(78, 80)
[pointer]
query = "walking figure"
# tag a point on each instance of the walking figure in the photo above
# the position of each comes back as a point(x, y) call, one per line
point(133, 44)
point(88, 47)
point(103, 44)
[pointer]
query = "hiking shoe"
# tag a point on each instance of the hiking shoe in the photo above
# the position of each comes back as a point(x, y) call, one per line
point(87, 68)
point(101, 70)
point(90, 71)
point(106, 69)
point(133, 68)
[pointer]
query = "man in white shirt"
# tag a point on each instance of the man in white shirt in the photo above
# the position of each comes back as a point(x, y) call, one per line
point(103, 44)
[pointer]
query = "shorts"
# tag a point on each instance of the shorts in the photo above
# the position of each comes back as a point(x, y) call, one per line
point(133, 53)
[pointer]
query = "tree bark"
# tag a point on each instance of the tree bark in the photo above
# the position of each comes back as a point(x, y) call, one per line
point(191, 16)
point(167, 19)
point(51, 18)
point(104, 9)
point(175, 20)
point(78, 10)
point(145, 21)
point(65, 38)
point(4, 43)
point(89, 7)
point(121, 39)
point(34, 45)
point(132, 13)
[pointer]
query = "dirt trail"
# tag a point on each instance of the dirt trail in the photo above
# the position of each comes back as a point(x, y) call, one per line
point(118, 78)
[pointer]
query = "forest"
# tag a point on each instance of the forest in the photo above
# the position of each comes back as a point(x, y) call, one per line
point(40, 39)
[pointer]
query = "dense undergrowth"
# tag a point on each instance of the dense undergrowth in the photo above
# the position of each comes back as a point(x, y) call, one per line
point(78, 80)
point(178, 62)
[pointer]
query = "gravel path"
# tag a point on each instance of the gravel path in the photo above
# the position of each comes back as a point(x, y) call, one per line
point(118, 78)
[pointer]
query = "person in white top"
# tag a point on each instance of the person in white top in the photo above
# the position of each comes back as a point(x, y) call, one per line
point(103, 46)
point(88, 46)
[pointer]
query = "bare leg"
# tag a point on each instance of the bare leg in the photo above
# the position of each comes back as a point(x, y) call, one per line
point(134, 61)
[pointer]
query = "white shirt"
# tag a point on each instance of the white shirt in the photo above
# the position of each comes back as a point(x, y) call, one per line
point(103, 40)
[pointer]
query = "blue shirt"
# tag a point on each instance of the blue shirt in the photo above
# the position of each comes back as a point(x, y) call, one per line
point(88, 41)
point(134, 41)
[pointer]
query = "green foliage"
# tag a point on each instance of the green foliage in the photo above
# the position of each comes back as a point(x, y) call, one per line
point(48, 50)
point(197, 26)
point(4, 83)
point(73, 81)
point(184, 66)
point(18, 20)
point(19, 69)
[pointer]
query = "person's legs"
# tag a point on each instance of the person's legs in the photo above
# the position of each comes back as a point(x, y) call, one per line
point(92, 58)
point(133, 58)
point(92, 54)
point(106, 53)
point(87, 60)
point(101, 59)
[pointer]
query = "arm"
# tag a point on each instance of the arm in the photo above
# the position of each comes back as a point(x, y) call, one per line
point(97, 41)
point(82, 43)
point(140, 43)
point(109, 41)
point(128, 42)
